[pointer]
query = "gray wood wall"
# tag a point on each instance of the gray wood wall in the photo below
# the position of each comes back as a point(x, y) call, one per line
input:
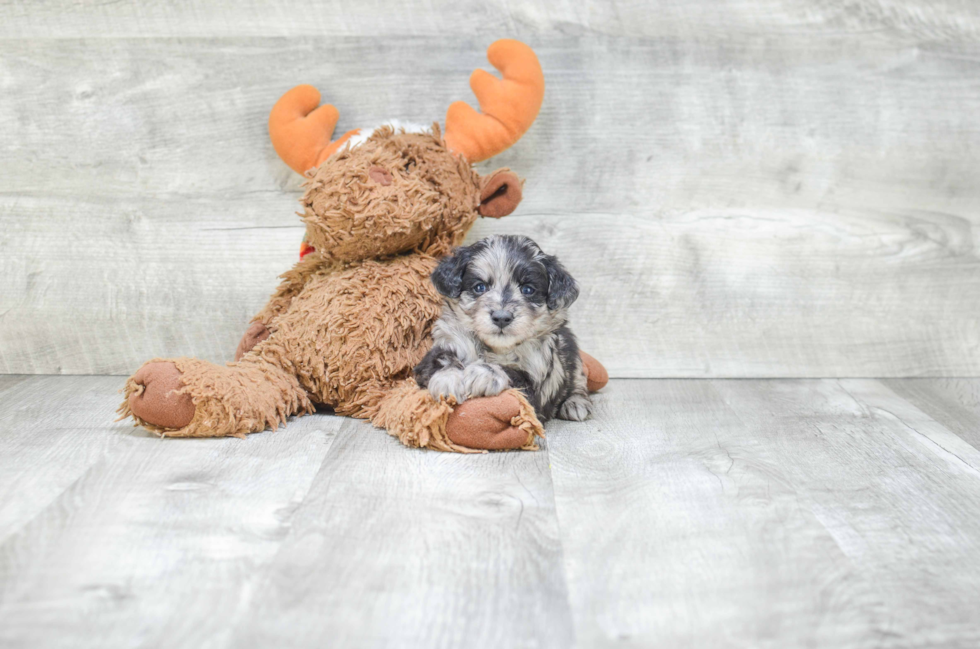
point(742, 187)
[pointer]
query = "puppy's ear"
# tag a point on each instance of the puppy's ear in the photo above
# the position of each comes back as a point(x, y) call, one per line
point(448, 275)
point(562, 287)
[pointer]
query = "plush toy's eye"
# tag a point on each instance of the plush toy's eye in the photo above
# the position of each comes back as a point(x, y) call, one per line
point(527, 289)
point(479, 288)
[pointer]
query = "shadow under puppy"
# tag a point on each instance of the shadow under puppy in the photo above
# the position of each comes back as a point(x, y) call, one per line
point(504, 325)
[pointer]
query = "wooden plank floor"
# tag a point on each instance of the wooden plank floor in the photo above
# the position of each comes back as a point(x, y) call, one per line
point(782, 513)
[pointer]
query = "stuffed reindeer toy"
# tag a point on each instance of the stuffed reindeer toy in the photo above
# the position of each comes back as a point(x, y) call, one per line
point(353, 317)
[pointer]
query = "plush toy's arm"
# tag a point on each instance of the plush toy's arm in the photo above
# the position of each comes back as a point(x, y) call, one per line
point(292, 283)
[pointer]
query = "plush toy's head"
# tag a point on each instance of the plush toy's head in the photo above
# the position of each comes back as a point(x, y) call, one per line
point(397, 192)
point(393, 190)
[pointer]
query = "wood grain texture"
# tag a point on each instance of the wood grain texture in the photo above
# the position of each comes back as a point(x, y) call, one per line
point(52, 432)
point(130, 279)
point(766, 513)
point(775, 513)
point(897, 491)
point(111, 537)
point(954, 403)
point(801, 203)
point(327, 528)
point(408, 548)
point(738, 293)
point(939, 19)
point(694, 294)
point(811, 120)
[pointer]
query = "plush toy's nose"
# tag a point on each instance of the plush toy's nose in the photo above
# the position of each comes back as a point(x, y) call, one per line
point(380, 176)
point(502, 318)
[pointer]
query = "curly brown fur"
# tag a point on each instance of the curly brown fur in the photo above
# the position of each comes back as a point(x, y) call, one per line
point(429, 204)
point(350, 321)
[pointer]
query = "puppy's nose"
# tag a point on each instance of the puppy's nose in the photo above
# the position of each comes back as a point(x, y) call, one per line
point(502, 318)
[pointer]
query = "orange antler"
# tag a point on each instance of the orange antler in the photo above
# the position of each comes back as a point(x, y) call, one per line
point(509, 105)
point(300, 132)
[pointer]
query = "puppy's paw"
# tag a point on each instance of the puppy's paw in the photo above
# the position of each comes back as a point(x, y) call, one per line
point(448, 383)
point(484, 380)
point(577, 407)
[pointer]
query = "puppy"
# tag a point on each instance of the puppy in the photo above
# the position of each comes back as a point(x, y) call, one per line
point(503, 325)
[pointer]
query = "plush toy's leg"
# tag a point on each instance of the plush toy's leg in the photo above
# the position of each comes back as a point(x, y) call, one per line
point(186, 397)
point(411, 414)
point(596, 376)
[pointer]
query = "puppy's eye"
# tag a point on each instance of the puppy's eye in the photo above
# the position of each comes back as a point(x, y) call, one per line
point(479, 287)
point(527, 289)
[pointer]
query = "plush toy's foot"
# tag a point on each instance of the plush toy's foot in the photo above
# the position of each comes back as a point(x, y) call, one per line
point(186, 397)
point(418, 419)
point(494, 423)
point(596, 376)
point(155, 399)
point(255, 334)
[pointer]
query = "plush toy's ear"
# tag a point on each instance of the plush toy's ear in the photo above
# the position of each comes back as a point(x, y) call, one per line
point(562, 287)
point(448, 275)
point(500, 193)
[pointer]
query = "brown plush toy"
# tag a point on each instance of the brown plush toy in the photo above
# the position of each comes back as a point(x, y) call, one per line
point(352, 318)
